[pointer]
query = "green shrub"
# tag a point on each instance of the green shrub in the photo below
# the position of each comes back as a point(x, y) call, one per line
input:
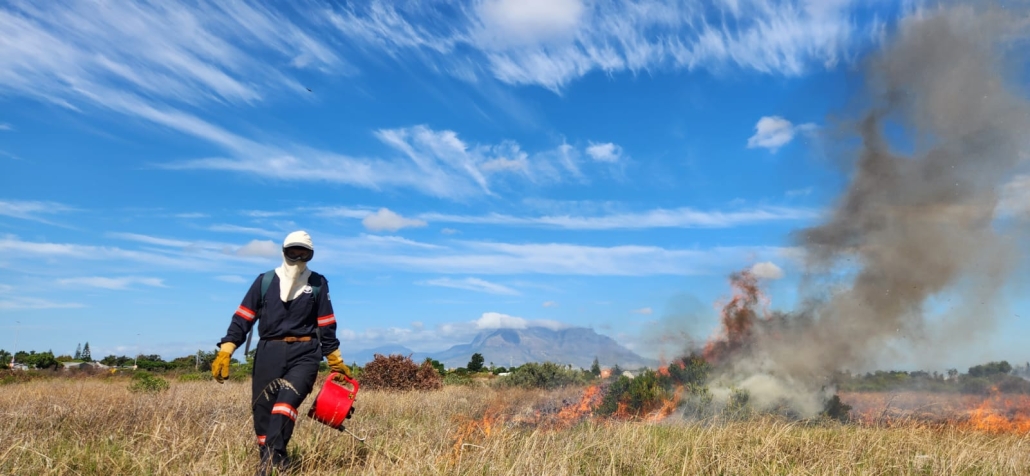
point(835, 409)
point(457, 379)
point(636, 396)
point(739, 404)
point(194, 377)
point(546, 375)
point(145, 382)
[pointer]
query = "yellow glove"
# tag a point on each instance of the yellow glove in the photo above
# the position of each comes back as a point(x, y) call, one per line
point(220, 367)
point(336, 363)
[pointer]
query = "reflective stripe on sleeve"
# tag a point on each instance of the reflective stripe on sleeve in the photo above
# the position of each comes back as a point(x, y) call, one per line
point(261, 439)
point(245, 313)
point(326, 320)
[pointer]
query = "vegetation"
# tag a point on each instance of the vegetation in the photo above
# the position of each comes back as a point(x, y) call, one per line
point(546, 375)
point(475, 363)
point(144, 382)
point(398, 372)
point(96, 426)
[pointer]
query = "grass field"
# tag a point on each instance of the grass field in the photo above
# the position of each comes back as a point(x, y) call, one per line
point(96, 426)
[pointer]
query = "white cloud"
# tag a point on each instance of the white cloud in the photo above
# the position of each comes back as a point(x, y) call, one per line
point(647, 311)
point(550, 304)
point(496, 320)
point(112, 283)
point(773, 132)
point(800, 192)
point(31, 210)
point(173, 52)
point(20, 303)
point(386, 220)
point(449, 231)
point(6, 127)
point(192, 215)
point(472, 284)
point(551, 43)
point(150, 240)
point(478, 257)
point(247, 230)
point(606, 152)
point(260, 248)
point(658, 218)
point(232, 278)
point(767, 270)
point(1015, 197)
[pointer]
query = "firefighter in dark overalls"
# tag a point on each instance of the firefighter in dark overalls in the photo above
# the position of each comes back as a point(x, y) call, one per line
point(297, 328)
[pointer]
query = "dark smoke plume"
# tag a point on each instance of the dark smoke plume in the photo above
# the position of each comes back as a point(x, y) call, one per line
point(910, 225)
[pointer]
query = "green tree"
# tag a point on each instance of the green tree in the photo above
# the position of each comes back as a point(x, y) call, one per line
point(476, 364)
point(436, 364)
point(595, 368)
point(86, 357)
point(78, 352)
point(5, 358)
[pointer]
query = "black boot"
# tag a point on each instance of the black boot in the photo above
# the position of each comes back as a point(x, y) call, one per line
point(265, 464)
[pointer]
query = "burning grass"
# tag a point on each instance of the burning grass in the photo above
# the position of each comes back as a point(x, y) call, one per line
point(97, 426)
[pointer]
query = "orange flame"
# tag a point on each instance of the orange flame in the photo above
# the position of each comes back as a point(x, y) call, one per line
point(667, 407)
point(738, 316)
point(996, 413)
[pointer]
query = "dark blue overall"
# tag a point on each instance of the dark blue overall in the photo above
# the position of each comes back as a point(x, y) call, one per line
point(295, 336)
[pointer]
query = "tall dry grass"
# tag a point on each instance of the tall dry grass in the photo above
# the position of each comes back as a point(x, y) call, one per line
point(96, 426)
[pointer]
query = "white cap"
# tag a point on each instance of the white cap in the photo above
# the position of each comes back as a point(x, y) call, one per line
point(299, 238)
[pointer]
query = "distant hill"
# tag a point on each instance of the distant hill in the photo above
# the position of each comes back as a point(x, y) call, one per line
point(506, 347)
point(577, 346)
point(363, 357)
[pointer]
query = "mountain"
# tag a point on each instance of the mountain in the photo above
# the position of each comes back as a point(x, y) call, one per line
point(362, 357)
point(577, 346)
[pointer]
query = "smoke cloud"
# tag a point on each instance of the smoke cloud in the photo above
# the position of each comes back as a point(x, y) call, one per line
point(916, 220)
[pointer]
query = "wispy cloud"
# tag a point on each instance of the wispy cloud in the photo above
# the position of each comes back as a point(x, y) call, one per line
point(32, 210)
point(553, 43)
point(74, 53)
point(150, 240)
point(477, 257)
point(232, 278)
point(550, 304)
point(658, 218)
point(472, 284)
point(6, 127)
point(120, 283)
point(773, 132)
point(647, 311)
point(20, 303)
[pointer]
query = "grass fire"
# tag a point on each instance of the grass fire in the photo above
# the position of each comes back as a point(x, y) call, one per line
point(908, 264)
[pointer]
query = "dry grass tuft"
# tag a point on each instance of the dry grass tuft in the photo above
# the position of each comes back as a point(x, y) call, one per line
point(98, 427)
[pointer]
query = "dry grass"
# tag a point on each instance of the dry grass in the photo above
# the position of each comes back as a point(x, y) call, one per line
point(96, 426)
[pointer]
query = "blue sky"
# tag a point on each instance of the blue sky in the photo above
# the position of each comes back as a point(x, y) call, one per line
point(460, 166)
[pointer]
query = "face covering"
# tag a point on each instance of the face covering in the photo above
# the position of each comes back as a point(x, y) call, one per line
point(293, 275)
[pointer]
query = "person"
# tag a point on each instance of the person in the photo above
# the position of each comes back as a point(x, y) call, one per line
point(296, 331)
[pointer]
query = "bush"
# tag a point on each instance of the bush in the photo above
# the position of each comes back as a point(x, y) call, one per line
point(145, 382)
point(835, 409)
point(398, 372)
point(195, 377)
point(636, 396)
point(545, 375)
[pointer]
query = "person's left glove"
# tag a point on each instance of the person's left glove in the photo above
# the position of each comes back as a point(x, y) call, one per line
point(220, 367)
point(336, 364)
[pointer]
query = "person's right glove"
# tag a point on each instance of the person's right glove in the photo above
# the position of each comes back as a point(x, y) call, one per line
point(220, 367)
point(336, 364)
